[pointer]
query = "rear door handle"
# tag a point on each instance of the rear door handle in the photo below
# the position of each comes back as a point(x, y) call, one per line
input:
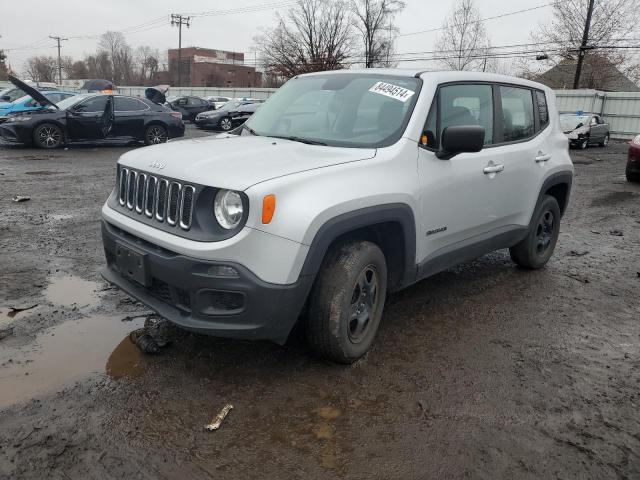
point(493, 169)
point(542, 157)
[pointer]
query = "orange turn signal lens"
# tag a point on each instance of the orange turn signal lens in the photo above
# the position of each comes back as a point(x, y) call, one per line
point(268, 208)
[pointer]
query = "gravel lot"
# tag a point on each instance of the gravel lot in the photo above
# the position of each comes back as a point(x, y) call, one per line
point(483, 371)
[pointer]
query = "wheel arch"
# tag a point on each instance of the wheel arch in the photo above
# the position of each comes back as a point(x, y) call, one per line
point(392, 227)
point(558, 186)
point(57, 123)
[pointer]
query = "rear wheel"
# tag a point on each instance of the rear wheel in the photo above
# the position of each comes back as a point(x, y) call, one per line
point(605, 141)
point(538, 246)
point(633, 177)
point(347, 302)
point(226, 124)
point(155, 134)
point(48, 136)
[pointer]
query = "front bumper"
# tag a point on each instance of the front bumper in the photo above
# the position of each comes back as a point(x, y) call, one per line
point(181, 290)
point(207, 121)
point(15, 133)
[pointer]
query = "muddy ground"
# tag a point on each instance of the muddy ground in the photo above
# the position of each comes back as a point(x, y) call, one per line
point(483, 371)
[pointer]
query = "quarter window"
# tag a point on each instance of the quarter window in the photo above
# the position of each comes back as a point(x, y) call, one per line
point(543, 110)
point(467, 105)
point(517, 113)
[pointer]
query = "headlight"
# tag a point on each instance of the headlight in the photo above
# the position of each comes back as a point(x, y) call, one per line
point(636, 140)
point(228, 209)
point(20, 118)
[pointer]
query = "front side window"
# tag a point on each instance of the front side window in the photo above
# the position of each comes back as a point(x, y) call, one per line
point(462, 105)
point(517, 113)
point(543, 110)
point(95, 104)
point(348, 110)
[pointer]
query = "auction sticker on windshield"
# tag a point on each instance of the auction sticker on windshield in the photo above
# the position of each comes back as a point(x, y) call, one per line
point(392, 91)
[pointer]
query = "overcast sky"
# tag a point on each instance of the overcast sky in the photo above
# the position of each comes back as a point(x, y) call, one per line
point(27, 23)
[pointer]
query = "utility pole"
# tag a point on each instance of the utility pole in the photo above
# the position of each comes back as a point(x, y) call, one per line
point(178, 20)
point(59, 39)
point(583, 47)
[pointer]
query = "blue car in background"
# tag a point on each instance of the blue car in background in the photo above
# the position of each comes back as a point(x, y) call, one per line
point(26, 103)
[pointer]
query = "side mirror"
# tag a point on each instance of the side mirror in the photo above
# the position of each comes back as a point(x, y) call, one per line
point(6, 98)
point(460, 139)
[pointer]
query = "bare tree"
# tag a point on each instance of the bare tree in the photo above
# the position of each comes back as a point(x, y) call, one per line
point(78, 70)
point(315, 35)
point(120, 55)
point(147, 59)
point(612, 23)
point(41, 68)
point(374, 21)
point(463, 42)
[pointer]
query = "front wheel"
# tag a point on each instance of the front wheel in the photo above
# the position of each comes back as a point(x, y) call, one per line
point(536, 249)
point(155, 134)
point(48, 136)
point(347, 301)
point(583, 144)
point(226, 124)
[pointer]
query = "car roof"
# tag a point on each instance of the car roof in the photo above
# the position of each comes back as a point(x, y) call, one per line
point(437, 76)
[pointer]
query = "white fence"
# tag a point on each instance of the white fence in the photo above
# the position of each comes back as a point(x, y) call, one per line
point(621, 110)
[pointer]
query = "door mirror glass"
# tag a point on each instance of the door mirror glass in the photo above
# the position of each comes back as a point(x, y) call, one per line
point(6, 98)
point(461, 139)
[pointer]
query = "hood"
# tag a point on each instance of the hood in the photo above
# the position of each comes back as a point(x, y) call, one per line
point(157, 94)
point(35, 94)
point(237, 163)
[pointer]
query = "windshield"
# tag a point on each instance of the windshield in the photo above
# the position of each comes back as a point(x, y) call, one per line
point(571, 122)
point(349, 110)
point(71, 101)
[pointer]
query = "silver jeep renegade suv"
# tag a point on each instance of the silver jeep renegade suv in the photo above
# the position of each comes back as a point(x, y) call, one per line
point(342, 187)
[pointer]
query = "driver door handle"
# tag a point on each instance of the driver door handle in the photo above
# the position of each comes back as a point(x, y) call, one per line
point(493, 169)
point(542, 157)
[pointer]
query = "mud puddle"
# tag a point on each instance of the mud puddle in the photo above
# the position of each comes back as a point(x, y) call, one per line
point(72, 351)
point(72, 291)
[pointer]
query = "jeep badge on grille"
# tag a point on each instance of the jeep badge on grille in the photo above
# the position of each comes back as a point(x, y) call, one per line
point(156, 164)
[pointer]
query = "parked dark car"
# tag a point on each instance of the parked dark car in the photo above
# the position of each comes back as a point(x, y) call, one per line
point(584, 129)
point(90, 117)
point(228, 117)
point(190, 107)
point(633, 160)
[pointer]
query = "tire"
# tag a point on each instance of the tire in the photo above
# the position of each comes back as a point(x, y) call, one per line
point(346, 303)
point(633, 177)
point(226, 124)
point(48, 136)
point(155, 134)
point(583, 144)
point(605, 141)
point(536, 249)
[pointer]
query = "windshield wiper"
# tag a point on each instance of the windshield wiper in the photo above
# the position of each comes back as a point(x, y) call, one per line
point(250, 130)
point(308, 141)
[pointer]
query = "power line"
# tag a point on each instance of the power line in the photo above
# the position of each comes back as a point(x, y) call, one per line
point(486, 18)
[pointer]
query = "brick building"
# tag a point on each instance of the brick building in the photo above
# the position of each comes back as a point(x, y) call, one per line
point(204, 67)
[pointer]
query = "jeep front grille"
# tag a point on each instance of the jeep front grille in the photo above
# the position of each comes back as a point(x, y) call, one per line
point(156, 197)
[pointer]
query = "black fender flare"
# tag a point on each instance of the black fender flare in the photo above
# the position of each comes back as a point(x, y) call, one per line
point(334, 228)
point(558, 178)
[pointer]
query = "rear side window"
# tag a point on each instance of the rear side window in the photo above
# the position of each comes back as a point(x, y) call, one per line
point(517, 113)
point(128, 104)
point(467, 105)
point(543, 110)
